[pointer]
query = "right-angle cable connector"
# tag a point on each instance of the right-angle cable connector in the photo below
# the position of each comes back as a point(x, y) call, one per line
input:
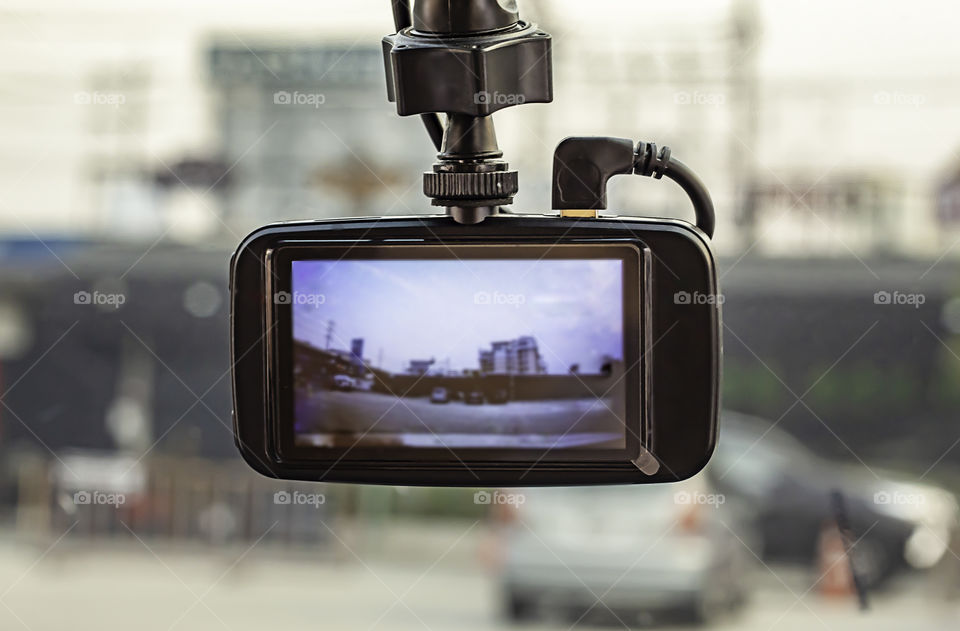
point(648, 161)
point(582, 165)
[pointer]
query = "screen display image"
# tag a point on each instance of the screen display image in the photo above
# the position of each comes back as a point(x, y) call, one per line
point(459, 352)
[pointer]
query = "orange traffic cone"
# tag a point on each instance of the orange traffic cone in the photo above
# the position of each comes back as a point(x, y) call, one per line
point(835, 576)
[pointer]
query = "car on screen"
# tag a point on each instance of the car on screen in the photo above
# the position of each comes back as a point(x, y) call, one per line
point(344, 382)
point(499, 396)
point(440, 395)
point(473, 397)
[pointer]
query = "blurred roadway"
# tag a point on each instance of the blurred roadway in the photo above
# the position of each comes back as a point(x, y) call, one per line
point(340, 412)
point(147, 586)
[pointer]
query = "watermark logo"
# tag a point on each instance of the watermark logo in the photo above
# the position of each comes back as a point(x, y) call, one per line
point(897, 498)
point(899, 98)
point(498, 98)
point(298, 298)
point(899, 298)
point(312, 99)
point(697, 298)
point(299, 498)
point(99, 498)
point(113, 99)
point(498, 498)
point(99, 298)
point(696, 498)
point(709, 99)
point(498, 298)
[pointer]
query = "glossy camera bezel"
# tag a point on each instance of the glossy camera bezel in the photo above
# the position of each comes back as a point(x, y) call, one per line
point(680, 347)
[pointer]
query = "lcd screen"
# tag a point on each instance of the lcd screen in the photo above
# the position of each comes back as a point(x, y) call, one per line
point(431, 348)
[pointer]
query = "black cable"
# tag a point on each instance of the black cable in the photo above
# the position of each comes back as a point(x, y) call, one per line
point(656, 164)
point(402, 19)
point(434, 129)
point(401, 14)
point(695, 189)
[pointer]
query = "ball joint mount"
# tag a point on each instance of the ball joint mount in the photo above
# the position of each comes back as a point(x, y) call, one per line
point(467, 60)
point(471, 58)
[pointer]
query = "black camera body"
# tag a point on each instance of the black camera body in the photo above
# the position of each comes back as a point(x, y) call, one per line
point(669, 376)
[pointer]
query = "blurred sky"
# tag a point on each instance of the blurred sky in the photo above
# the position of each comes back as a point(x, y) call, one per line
point(420, 309)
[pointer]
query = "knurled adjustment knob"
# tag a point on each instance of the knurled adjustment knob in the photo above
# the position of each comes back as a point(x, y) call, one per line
point(485, 188)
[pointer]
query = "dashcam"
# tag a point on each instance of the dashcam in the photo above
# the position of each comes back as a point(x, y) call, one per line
point(481, 346)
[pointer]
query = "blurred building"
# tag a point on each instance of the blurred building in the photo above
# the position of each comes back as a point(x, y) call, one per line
point(513, 357)
point(420, 366)
point(316, 366)
point(311, 134)
point(356, 352)
point(284, 107)
point(948, 201)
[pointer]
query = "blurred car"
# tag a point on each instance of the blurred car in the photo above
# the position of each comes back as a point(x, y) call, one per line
point(473, 397)
point(439, 395)
point(344, 382)
point(499, 396)
point(899, 524)
point(630, 550)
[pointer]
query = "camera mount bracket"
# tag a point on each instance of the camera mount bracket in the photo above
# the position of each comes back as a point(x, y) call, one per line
point(470, 58)
point(467, 60)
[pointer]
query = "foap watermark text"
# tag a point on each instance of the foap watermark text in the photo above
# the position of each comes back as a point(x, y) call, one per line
point(498, 98)
point(498, 298)
point(298, 298)
point(99, 298)
point(697, 298)
point(498, 497)
point(310, 99)
point(706, 499)
point(898, 498)
point(899, 298)
point(99, 498)
point(299, 498)
point(112, 99)
point(710, 99)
